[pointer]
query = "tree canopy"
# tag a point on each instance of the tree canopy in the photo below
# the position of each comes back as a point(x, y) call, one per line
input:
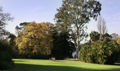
point(5, 49)
point(73, 16)
point(4, 18)
point(36, 38)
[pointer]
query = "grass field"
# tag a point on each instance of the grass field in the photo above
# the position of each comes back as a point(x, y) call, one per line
point(59, 65)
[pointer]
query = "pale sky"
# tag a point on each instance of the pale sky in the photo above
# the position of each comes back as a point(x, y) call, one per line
point(44, 10)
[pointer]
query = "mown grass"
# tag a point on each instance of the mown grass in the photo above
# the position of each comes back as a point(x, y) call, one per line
point(59, 65)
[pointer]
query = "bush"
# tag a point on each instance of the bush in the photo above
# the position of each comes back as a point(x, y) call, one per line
point(101, 52)
point(5, 55)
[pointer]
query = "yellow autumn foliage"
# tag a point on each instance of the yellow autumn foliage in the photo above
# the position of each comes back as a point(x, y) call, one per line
point(35, 38)
point(118, 40)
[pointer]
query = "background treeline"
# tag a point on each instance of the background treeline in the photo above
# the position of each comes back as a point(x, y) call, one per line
point(41, 40)
point(45, 40)
point(101, 48)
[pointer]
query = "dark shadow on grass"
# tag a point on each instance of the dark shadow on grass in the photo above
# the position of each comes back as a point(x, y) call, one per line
point(117, 64)
point(27, 67)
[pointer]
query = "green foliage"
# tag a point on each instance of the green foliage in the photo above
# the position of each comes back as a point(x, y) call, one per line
point(94, 36)
point(73, 16)
point(12, 43)
point(5, 49)
point(101, 52)
point(106, 36)
point(43, 40)
point(62, 47)
point(5, 55)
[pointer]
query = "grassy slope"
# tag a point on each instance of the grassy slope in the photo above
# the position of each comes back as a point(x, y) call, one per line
point(59, 65)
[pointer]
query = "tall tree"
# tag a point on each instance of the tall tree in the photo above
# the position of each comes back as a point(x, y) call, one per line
point(62, 46)
point(5, 50)
point(101, 27)
point(73, 16)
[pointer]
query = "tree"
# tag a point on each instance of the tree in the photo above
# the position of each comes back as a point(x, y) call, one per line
point(11, 39)
point(35, 39)
point(20, 27)
point(106, 36)
point(101, 27)
point(73, 16)
point(94, 36)
point(4, 18)
point(62, 46)
point(5, 50)
point(12, 43)
point(5, 55)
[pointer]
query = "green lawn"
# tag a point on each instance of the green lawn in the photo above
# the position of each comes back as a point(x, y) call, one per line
point(59, 65)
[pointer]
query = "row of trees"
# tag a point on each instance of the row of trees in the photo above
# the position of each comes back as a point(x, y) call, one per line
point(43, 40)
point(69, 31)
point(101, 49)
point(105, 51)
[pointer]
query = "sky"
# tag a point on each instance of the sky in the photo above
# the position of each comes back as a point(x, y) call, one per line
point(44, 11)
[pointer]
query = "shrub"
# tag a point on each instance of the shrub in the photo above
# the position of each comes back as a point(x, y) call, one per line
point(5, 55)
point(101, 52)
